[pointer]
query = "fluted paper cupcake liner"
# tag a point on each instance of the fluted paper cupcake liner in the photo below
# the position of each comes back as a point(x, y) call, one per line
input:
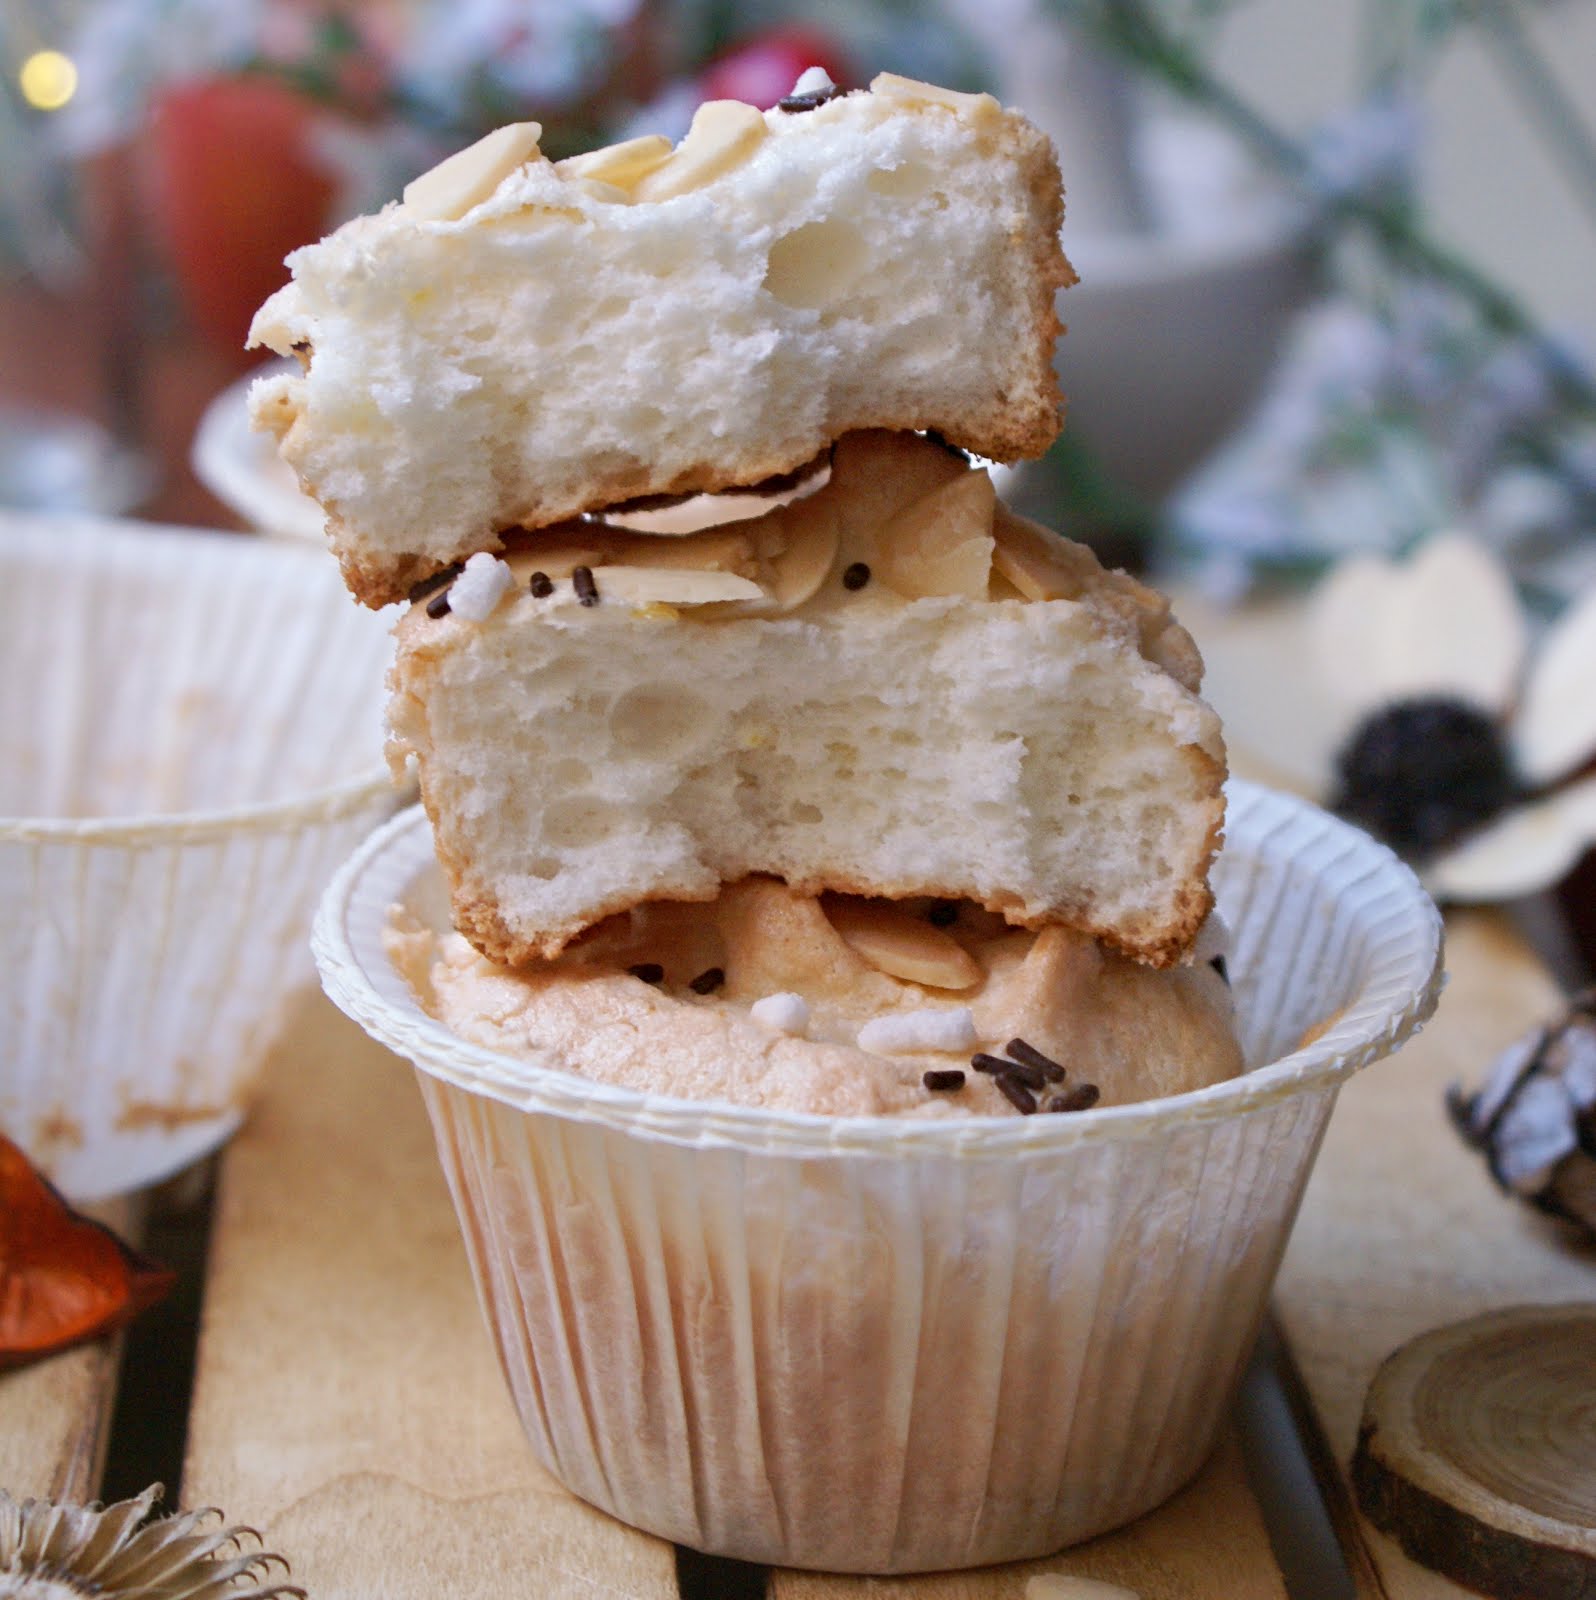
point(188, 747)
point(872, 1345)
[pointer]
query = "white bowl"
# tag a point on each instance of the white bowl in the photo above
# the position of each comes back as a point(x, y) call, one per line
point(872, 1345)
point(190, 744)
point(1172, 336)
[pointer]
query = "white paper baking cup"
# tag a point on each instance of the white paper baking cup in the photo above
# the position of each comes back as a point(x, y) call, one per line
point(189, 744)
point(871, 1345)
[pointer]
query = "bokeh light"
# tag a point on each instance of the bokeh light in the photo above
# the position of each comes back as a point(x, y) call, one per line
point(48, 79)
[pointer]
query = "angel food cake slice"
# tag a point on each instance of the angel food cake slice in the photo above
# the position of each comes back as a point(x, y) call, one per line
point(521, 340)
point(891, 686)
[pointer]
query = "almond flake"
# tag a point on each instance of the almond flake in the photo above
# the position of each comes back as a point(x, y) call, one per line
point(811, 532)
point(1030, 558)
point(673, 586)
point(900, 944)
point(942, 543)
point(724, 134)
point(621, 165)
point(698, 552)
point(890, 86)
point(693, 513)
point(470, 176)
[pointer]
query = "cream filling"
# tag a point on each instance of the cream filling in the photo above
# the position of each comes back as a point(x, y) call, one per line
point(891, 519)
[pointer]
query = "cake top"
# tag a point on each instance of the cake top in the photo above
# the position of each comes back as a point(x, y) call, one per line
point(840, 1005)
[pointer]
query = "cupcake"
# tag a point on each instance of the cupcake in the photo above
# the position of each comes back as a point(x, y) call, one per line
point(885, 1342)
point(803, 944)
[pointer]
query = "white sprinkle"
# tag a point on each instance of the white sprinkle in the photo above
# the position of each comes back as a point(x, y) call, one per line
point(786, 1013)
point(950, 1028)
point(478, 590)
point(813, 80)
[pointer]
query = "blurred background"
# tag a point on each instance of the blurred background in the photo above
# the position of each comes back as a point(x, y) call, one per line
point(1336, 267)
point(1292, 221)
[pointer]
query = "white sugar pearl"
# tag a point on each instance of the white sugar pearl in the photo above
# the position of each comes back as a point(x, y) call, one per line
point(950, 1028)
point(786, 1013)
point(476, 593)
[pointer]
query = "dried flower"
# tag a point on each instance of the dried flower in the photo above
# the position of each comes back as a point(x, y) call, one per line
point(1535, 1118)
point(1467, 759)
point(57, 1552)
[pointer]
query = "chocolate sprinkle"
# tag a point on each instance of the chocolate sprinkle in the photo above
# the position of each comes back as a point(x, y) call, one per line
point(1023, 1072)
point(950, 1078)
point(586, 589)
point(708, 981)
point(943, 913)
point(541, 585)
point(982, 1062)
point(808, 101)
point(420, 591)
point(438, 605)
point(1051, 1071)
point(856, 576)
point(1016, 1093)
point(1218, 964)
point(1081, 1098)
point(648, 971)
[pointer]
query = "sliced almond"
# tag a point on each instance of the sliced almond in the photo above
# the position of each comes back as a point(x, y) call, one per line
point(978, 107)
point(1028, 555)
point(811, 533)
point(724, 134)
point(469, 176)
point(621, 165)
point(942, 542)
point(673, 586)
point(610, 194)
point(900, 944)
point(554, 561)
point(876, 473)
point(698, 552)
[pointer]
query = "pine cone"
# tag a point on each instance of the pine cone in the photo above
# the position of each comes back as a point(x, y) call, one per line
point(1535, 1118)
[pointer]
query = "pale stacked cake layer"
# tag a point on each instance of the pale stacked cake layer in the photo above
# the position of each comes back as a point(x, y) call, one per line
point(891, 687)
point(524, 340)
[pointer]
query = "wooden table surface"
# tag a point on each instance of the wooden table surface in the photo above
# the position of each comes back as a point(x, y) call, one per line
point(347, 1402)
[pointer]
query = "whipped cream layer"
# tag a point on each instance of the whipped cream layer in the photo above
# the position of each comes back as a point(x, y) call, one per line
point(770, 998)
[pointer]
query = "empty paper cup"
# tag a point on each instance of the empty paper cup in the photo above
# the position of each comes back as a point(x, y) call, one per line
point(190, 744)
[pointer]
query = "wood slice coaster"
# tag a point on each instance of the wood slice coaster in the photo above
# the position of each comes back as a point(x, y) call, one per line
point(1477, 1452)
